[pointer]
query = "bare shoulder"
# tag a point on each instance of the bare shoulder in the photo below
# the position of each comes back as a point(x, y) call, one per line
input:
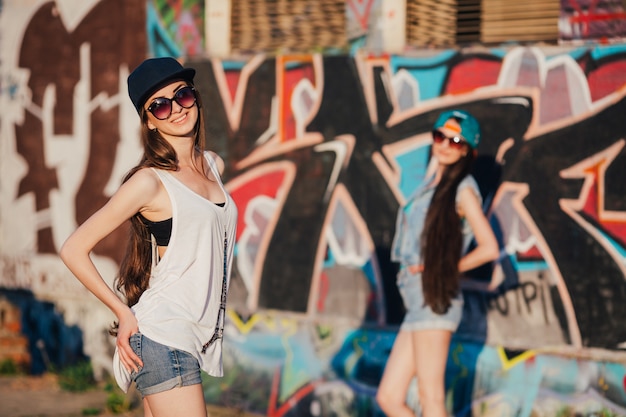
point(138, 192)
point(143, 181)
point(468, 202)
point(219, 162)
point(468, 194)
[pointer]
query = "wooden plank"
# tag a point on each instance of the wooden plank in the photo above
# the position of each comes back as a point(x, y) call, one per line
point(438, 11)
point(519, 14)
point(519, 31)
point(503, 14)
point(465, 31)
point(512, 7)
point(517, 37)
point(434, 3)
point(512, 3)
point(469, 16)
point(529, 3)
point(521, 23)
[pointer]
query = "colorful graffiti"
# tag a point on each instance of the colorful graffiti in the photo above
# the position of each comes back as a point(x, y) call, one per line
point(600, 20)
point(321, 151)
point(534, 297)
point(175, 28)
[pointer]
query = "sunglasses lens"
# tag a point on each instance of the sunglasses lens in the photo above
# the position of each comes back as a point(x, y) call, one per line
point(161, 108)
point(455, 142)
point(186, 97)
point(438, 137)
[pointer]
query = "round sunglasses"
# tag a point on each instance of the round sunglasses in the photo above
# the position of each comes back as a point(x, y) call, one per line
point(161, 107)
point(455, 142)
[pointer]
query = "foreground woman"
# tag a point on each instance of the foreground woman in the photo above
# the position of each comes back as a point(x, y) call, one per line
point(176, 271)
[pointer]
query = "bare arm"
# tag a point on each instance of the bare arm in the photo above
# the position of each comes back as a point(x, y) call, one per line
point(133, 196)
point(486, 249)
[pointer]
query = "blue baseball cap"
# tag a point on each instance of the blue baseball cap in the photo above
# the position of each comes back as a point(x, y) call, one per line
point(152, 74)
point(470, 128)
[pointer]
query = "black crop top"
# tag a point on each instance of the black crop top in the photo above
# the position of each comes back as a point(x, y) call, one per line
point(162, 230)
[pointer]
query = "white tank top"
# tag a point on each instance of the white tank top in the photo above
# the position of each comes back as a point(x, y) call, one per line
point(187, 290)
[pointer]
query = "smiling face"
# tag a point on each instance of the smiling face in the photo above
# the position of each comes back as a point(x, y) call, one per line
point(181, 121)
point(446, 147)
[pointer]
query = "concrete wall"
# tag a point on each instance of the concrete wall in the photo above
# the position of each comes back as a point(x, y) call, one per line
point(321, 151)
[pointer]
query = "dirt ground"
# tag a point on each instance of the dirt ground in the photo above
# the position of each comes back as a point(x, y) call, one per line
point(41, 396)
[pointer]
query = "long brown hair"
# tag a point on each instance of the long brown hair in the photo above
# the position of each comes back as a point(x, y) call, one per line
point(136, 265)
point(442, 238)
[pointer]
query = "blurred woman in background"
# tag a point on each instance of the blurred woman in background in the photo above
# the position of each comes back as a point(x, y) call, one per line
point(433, 232)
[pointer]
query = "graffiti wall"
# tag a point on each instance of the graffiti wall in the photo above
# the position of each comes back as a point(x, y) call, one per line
point(592, 20)
point(321, 151)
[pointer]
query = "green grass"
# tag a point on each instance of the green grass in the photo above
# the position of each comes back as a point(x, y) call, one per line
point(77, 378)
point(10, 367)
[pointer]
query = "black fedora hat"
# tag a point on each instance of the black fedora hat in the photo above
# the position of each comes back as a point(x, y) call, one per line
point(152, 74)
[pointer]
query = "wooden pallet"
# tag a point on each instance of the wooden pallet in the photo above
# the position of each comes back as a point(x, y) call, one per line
point(442, 22)
point(306, 25)
point(530, 20)
point(287, 25)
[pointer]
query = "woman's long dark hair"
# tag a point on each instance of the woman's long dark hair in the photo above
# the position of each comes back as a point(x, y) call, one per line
point(135, 268)
point(442, 238)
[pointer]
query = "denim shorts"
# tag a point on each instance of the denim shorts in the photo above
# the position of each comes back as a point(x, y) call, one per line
point(163, 368)
point(419, 316)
